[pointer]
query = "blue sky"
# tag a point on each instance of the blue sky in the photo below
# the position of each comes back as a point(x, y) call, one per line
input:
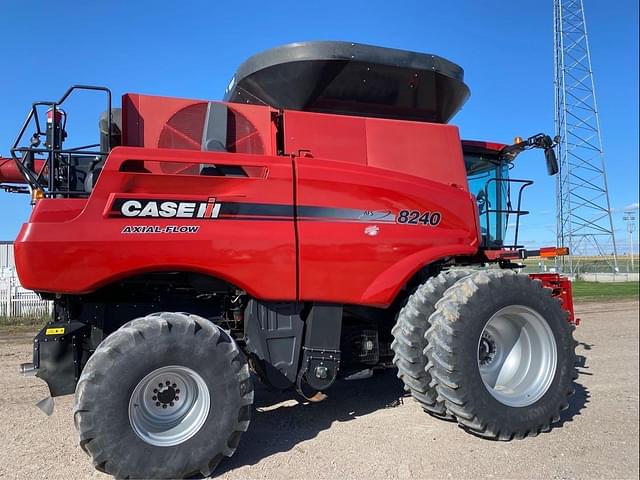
point(192, 48)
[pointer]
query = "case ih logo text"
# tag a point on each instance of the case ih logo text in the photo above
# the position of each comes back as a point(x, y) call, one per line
point(141, 208)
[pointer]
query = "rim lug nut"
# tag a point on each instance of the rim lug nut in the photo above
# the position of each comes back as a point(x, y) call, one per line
point(164, 405)
point(155, 390)
point(178, 390)
point(154, 398)
point(167, 383)
point(157, 404)
point(173, 385)
point(177, 398)
point(171, 404)
point(160, 385)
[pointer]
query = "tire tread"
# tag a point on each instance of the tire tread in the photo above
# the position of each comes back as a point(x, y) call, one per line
point(409, 341)
point(128, 337)
point(445, 326)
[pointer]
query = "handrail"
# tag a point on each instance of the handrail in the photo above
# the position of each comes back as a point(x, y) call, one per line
point(24, 156)
point(518, 212)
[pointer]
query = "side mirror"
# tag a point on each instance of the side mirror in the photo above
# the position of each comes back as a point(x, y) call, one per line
point(552, 161)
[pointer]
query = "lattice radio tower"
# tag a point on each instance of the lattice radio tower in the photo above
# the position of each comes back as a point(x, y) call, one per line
point(584, 221)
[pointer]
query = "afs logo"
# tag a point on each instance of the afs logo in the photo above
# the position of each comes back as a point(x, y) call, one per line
point(145, 208)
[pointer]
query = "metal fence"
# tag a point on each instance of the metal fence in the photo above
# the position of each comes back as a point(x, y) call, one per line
point(16, 301)
point(591, 266)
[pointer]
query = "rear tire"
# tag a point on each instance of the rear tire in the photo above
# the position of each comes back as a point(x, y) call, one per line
point(204, 407)
point(409, 341)
point(501, 355)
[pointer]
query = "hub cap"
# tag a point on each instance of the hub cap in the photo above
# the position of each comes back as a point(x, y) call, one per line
point(517, 356)
point(169, 406)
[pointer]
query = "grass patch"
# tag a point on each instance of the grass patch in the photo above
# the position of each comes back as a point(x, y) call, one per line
point(21, 324)
point(605, 290)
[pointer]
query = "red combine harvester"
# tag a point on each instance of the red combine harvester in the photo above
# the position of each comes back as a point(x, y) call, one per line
point(324, 221)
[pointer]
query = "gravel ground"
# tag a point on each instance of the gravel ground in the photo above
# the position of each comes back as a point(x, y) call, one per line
point(353, 435)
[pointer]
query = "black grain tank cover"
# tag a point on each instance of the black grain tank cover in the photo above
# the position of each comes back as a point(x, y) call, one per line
point(351, 79)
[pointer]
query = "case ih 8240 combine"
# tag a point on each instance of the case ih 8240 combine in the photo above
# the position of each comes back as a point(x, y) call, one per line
point(323, 221)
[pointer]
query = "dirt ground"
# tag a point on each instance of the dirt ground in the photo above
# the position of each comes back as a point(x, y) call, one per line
point(353, 435)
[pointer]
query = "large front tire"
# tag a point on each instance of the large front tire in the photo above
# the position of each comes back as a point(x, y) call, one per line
point(165, 396)
point(501, 355)
point(409, 341)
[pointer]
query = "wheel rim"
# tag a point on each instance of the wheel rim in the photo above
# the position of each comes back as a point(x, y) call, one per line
point(169, 406)
point(517, 356)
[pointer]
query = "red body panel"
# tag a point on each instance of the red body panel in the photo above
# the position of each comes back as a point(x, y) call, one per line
point(365, 261)
point(60, 252)
point(426, 150)
point(161, 122)
point(380, 166)
point(342, 193)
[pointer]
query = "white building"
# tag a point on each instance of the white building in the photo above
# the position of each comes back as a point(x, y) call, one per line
point(15, 301)
point(7, 261)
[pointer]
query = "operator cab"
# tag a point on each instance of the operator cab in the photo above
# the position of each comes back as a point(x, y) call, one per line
point(488, 180)
point(499, 197)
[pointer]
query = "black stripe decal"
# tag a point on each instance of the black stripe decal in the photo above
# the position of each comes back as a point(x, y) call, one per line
point(244, 211)
point(348, 214)
point(259, 218)
point(259, 211)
